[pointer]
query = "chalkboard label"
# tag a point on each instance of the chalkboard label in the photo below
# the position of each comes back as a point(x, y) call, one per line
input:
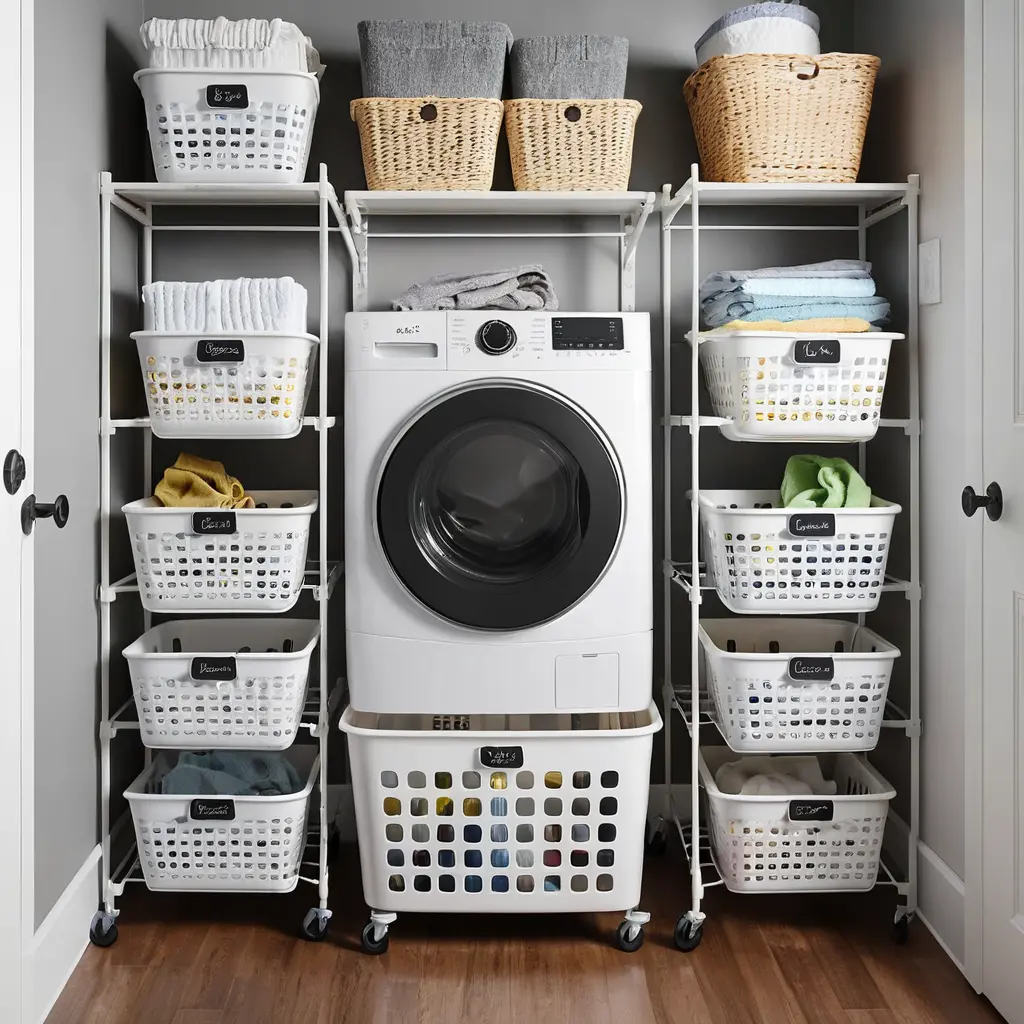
point(813, 524)
point(220, 350)
point(811, 810)
point(501, 757)
point(214, 522)
point(816, 351)
point(234, 97)
point(811, 669)
point(213, 668)
point(212, 810)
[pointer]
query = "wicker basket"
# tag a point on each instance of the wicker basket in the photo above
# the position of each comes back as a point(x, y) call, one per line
point(428, 143)
point(776, 117)
point(571, 145)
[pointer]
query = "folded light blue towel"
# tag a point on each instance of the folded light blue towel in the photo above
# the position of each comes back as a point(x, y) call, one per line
point(730, 280)
point(738, 305)
point(826, 287)
point(231, 773)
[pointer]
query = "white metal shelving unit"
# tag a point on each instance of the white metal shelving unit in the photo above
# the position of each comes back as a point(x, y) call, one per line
point(873, 204)
point(138, 201)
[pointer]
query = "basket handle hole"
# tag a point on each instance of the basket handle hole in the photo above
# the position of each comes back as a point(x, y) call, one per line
point(806, 76)
point(573, 113)
point(428, 112)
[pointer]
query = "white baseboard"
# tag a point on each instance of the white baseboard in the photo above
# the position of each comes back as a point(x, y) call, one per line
point(62, 938)
point(940, 891)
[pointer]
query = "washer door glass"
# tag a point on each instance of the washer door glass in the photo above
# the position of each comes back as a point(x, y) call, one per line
point(487, 510)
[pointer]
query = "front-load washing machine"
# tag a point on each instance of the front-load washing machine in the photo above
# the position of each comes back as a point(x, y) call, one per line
point(498, 533)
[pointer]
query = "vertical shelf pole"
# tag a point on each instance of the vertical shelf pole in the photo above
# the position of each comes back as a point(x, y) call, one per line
point(666, 365)
point(323, 592)
point(696, 880)
point(147, 433)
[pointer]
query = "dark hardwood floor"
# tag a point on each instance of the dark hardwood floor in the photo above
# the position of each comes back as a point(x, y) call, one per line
point(764, 960)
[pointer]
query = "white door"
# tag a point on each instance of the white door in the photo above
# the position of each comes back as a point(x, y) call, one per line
point(1001, 349)
point(16, 557)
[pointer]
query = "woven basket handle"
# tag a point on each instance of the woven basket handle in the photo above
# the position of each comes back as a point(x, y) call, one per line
point(806, 76)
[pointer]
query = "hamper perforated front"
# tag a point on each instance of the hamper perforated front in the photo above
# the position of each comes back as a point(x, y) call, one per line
point(455, 814)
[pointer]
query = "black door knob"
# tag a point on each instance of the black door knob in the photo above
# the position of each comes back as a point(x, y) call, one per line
point(31, 510)
point(991, 501)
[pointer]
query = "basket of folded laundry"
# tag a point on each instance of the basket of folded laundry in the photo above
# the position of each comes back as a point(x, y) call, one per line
point(226, 359)
point(223, 820)
point(795, 685)
point(796, 353)
point(229, 101)
point(569, 127)
point(202, 543)
point(819, 544)
point(767, 105)
point(795, 824)
point(431, 109)
point(238, 683)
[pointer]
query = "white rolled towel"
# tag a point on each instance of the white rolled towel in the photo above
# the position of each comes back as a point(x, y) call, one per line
point(217, 307)
point(774, 776)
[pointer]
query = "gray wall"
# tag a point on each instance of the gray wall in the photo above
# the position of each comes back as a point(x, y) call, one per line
point(921, 91)
point(87, 120)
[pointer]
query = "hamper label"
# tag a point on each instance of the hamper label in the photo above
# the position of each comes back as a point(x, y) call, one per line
point(214, 668)
point(220, 350)
point(214, 522)
point(811, 669)
point(212, 810)
point(234, 97)
point(811, 810)
point(816, 351)
point(813, 524)
point(501, 757)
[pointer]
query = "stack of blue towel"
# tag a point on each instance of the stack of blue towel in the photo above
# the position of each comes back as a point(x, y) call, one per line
point(834, 290)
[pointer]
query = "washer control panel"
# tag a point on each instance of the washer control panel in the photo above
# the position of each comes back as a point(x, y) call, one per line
point(587, 333)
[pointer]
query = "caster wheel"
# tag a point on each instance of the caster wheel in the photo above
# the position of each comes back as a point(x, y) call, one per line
point(103, 931)
point(314, 926)
point(375, 947)
point(657, 843)
point(687, 936)
point(624, 942)
point(901, 931)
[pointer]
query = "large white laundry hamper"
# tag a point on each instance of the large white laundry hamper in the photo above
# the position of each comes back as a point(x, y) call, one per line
point(776, 386)
point(221, 125)
point(219, 560)
point(237, 385)
point(799, 844)
point(505, 814)
point(218, 843)
point(229, 683)
point(763, 559)
point(795, 685)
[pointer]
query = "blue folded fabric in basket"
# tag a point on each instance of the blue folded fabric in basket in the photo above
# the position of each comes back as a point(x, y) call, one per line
point(231, 773)
point(738, 305)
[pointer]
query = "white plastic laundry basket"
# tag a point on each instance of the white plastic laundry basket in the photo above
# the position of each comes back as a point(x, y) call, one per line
point(501, 813)
point(779, 561)
point(226, 385)
point(213, 125)
point(795, 685)
point(799, 844)
point(218, 560)
point(236, 683)
point(797, 387)
point(221, 844)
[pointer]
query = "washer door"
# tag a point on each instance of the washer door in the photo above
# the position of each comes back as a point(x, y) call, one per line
point(500, 506)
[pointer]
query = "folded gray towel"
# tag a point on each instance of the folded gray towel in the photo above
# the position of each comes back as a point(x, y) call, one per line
point(518, 288)
point(569, 67)
point(434, 58)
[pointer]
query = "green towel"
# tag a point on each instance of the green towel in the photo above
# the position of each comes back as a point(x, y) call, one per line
point(812, 481)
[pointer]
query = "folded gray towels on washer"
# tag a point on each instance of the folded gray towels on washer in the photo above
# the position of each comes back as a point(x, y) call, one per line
point(519, 288)
point(569, 67)
point(434, 58)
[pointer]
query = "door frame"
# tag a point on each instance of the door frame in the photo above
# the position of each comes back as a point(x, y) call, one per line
point(17, 285)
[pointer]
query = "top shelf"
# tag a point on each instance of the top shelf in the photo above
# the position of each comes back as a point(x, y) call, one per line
point(146, 194)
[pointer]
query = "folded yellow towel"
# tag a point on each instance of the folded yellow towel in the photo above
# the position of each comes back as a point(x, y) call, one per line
point(819, 325)
point(199, 483)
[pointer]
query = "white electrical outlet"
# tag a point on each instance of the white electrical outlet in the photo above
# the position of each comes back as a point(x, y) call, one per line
point(929, 272)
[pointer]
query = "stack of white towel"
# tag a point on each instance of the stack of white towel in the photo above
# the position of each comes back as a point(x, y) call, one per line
point(251, 44)
point(774, 776)
point(216, 307)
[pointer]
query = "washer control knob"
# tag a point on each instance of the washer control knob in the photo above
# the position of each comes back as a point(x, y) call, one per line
point(496, 337)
